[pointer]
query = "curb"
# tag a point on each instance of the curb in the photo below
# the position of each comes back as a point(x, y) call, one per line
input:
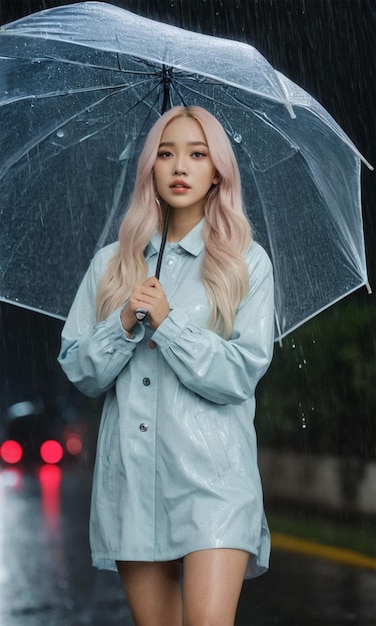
point(340, 555)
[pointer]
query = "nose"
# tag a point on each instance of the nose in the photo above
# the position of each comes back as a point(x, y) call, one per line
point(179, 172)
point(179, 167)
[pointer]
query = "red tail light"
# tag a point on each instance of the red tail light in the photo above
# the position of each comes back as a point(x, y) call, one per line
point(73, 443)
point(51, 451)
point(11, 452)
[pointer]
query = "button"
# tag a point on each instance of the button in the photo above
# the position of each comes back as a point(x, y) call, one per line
point(146, 382)
point(180, 250)
point(143, 427)
point(170, 262)
point(152, 345)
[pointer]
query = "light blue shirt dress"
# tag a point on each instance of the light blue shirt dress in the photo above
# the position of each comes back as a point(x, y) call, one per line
point(176, 467)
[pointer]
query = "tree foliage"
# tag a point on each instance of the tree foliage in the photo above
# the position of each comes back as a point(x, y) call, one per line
point(319, 394)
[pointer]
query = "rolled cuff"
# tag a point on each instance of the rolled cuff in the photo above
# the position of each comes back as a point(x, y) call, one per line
point(117, 334)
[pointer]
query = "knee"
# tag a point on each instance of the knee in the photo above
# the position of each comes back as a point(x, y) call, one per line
point(205, 618)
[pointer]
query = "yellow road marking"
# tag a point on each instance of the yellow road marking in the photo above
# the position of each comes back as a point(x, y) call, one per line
point(341, 555)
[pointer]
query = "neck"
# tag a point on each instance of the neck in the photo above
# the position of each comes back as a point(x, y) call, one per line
point(180, 225)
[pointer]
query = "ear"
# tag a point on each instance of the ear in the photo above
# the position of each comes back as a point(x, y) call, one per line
point(216, 179)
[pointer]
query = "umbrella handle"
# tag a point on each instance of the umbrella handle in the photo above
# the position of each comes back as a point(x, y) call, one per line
point(142, 313)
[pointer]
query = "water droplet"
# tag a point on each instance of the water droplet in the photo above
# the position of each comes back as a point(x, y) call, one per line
point(237, 137)
point(60, 133)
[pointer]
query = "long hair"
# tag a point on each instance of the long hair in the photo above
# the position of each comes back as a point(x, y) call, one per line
point(227, 232)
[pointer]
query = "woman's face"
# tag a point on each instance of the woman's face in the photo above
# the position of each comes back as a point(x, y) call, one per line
point(184, 171)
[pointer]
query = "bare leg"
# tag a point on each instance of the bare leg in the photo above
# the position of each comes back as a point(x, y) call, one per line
point(212, 583)
point(153, 592)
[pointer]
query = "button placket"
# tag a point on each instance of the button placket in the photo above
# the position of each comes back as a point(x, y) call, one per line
point(173, 263)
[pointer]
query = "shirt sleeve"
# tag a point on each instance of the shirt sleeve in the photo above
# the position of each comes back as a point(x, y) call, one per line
point(219, 370)
point(93, 354)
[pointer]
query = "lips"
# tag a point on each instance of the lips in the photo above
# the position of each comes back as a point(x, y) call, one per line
point(179, 184)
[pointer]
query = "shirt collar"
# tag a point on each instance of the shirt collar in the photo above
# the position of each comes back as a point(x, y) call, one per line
point(193, 242)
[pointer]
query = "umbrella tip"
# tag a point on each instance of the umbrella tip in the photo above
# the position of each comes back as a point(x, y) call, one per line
point(370, 167)
point(290, 110)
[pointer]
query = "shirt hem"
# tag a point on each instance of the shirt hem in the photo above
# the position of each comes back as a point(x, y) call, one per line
point(107, 561)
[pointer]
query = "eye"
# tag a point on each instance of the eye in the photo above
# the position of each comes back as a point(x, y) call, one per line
point(165, 154)
point(198, 155)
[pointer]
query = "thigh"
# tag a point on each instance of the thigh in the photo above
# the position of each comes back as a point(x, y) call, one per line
point(212, 584)
point(153, 592)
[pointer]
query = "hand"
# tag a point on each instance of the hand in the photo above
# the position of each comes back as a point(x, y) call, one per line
point(149, 296)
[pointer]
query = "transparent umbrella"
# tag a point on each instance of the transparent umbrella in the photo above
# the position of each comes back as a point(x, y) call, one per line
point(81, 86)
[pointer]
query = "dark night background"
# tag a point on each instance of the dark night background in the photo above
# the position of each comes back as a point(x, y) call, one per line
point(328, 48)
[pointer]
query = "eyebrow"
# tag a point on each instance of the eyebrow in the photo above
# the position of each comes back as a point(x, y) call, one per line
point(190, 143)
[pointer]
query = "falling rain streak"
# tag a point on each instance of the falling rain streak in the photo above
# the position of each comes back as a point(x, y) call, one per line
point(303, 370)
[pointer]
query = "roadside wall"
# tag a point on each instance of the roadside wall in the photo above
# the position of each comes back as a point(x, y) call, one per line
point(332, 482)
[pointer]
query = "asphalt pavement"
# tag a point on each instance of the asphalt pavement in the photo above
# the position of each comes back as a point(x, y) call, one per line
point(46, 578)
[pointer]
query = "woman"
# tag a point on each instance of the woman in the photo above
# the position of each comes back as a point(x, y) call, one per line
point(176, 478)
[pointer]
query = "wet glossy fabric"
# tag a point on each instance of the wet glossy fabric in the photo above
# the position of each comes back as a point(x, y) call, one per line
point(176, 466)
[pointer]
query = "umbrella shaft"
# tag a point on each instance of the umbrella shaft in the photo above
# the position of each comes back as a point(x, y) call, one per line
point(142, 313)
point(163, 241)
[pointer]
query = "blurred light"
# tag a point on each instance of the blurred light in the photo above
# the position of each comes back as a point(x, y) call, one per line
point(51, 451)
point(49, 476)
point(70, 414)
point(50, 479)
point(11, 451)
point(21, 409)
point(11, 479)
point(73, 444)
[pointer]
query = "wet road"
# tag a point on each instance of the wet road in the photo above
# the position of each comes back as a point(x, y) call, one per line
point(46, 578)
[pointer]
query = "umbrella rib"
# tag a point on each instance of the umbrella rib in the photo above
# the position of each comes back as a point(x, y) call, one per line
point(333, 301)
point(181, 98)
point(116, 197)
point(222, 87)
point(106, 229)
point(57, 59)
point(69, 92)
point(125, 112)
point(214, 80)
point(29, 146)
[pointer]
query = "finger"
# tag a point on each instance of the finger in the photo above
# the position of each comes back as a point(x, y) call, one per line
point(152, 282)
point(148, 296)
point(148, 304)
point(140, 292)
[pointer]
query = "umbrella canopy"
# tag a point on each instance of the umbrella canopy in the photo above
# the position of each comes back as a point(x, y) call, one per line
point(82, 84)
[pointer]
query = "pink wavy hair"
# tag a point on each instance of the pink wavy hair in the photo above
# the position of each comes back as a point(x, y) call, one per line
point(227, 232)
